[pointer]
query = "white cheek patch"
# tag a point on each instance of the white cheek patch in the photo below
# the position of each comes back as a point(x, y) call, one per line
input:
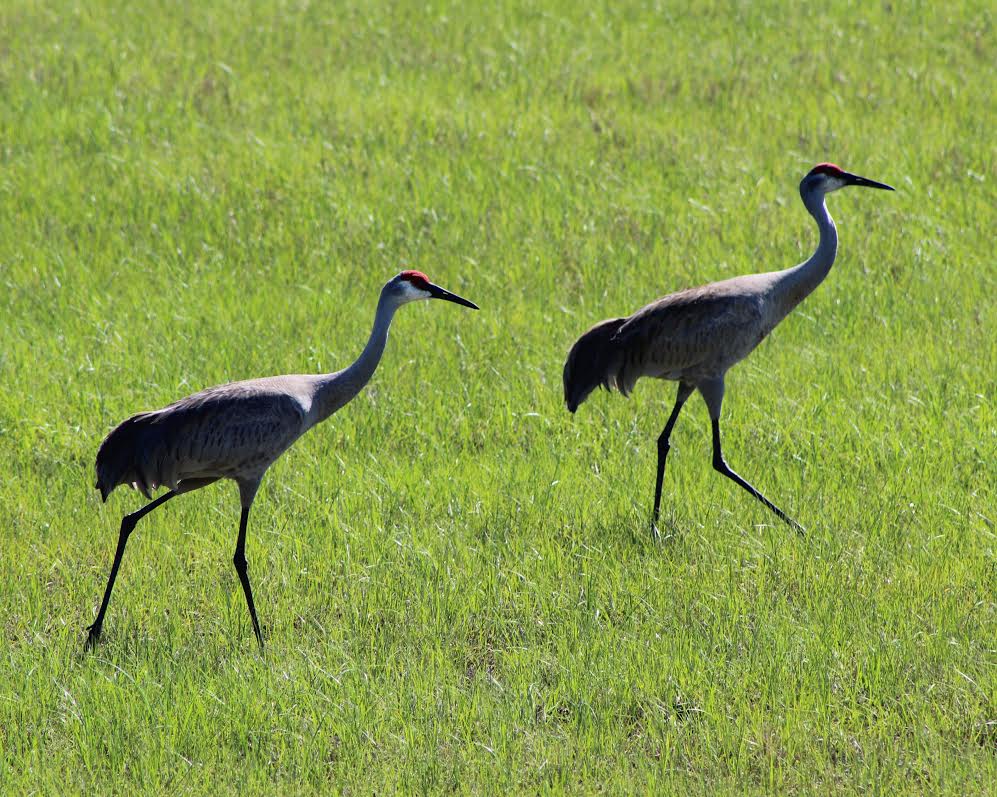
point(411, 292)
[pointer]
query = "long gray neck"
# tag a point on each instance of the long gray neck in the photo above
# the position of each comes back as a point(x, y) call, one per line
point(792, 286)
point(334, 390)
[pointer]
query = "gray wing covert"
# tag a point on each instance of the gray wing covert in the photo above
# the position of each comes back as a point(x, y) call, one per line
point(224, 432)
point(683, 333)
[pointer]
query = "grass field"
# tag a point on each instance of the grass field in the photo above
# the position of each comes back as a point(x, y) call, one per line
point(455, 576)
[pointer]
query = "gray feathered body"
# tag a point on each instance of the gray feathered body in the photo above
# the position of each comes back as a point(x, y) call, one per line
point(232, 431)
point(690, 336)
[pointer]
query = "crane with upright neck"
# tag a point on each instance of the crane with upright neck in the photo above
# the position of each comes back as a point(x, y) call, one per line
point(696, 335)
point(236, 431)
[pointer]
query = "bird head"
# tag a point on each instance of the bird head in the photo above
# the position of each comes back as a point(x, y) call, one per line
point(826, 177)
point(410, 286)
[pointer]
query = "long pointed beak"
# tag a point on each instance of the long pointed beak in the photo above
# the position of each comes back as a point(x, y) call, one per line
point(854, 179)
point(442, 293)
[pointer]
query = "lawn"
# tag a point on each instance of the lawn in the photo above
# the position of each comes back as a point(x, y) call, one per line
point(455, 577)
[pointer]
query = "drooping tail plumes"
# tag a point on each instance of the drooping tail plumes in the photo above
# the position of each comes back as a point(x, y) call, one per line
point(592, 362)
point(120, 460)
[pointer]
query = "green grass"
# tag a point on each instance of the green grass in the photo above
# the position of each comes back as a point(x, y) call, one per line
point(455, 576)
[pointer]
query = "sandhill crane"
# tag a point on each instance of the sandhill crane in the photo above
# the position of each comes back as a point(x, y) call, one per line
point(236, 431)
point(694, 336)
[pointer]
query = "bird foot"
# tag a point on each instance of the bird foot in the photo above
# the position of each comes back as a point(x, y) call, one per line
point(93, 637)
point(656, 535)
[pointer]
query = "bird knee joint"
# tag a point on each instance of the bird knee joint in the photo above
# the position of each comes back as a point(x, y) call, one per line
point(239, 560)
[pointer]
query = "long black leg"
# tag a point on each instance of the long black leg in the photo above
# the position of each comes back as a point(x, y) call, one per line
point(241, 567)
point(721, 465)
point(128, 523)
point(684, 392)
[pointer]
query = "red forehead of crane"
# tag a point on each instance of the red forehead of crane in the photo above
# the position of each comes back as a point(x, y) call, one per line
point(830, 169)
point(417, 278)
